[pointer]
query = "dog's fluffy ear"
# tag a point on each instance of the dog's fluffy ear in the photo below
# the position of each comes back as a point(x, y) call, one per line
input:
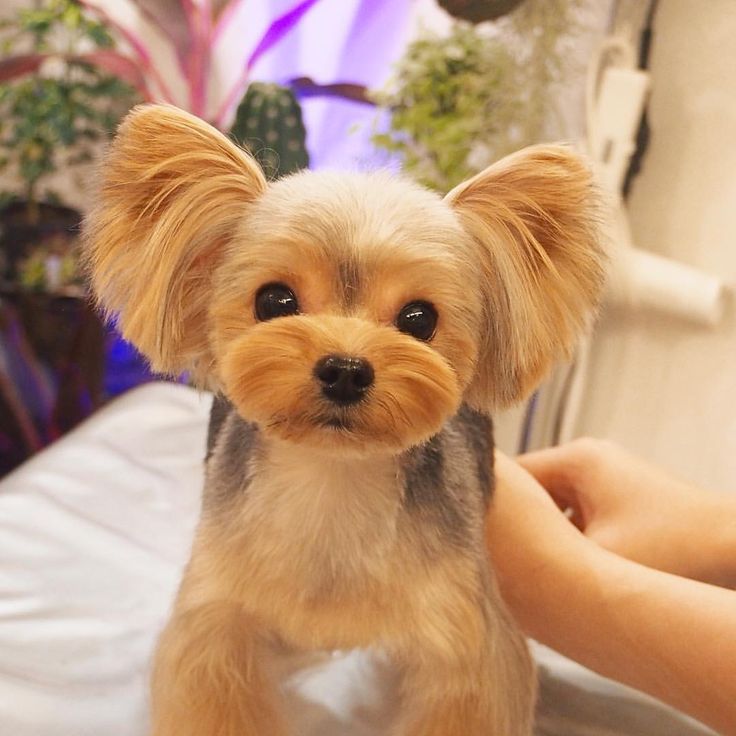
point(173, 191)
point(534, 219)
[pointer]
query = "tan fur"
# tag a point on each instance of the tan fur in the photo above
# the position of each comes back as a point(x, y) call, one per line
point(414, 392)
point(308, 543)
point(171, 195)
point(465, 666)
point(534, 218)
point(209, 678)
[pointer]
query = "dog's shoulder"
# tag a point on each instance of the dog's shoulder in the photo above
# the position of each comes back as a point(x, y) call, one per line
point(475, 431)
point(448, 480)
point(231, 442)
point(219, 412)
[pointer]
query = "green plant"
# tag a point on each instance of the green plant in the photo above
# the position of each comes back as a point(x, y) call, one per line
point(459, 102)
point(52, 267)
point(56, 102)
point(269, 123)
point(451, 94)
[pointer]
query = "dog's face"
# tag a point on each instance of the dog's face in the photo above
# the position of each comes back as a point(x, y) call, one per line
point(345, 312)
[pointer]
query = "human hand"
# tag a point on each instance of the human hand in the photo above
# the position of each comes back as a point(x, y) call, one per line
point(638, 511)
point(660, 633)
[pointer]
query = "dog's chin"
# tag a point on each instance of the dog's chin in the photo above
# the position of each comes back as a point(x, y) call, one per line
point(342, 433)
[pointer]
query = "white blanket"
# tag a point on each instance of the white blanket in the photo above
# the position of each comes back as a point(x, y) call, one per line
point(93, 535)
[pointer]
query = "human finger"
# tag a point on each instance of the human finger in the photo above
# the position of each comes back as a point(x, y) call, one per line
point(553, 469)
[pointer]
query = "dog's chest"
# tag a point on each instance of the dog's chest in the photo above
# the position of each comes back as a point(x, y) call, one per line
point(318, 529)
point(337, 550)
point(329, 520)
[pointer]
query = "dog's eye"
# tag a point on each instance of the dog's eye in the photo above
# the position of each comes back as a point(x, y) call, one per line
point(275, 300)
point(418, 319)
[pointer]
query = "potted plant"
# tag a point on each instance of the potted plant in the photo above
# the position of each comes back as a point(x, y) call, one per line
point(56, 104)
point(458, 102)
point(80, 64)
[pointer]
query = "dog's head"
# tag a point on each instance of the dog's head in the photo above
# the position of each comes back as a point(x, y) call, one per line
point(341, 311)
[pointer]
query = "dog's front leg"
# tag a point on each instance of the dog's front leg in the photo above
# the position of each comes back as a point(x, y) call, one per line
point(480, 681)
point(209, 678)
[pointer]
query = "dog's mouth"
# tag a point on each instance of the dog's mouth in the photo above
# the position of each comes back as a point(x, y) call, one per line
point(301, 424)
point(338, 429)
point(335, 422)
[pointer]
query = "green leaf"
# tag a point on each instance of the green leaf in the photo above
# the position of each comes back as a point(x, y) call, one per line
point(460, 101)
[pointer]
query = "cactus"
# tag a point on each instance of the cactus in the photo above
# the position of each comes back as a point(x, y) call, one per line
point(269, 124)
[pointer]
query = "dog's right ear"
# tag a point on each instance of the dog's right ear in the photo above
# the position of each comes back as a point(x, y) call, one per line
point(534, 219)
point(173, 192)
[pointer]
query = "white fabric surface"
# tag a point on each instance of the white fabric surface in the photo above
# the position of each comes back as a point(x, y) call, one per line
point(93, 535)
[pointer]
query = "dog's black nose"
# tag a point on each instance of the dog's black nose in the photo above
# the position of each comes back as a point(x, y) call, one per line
point(344, 379)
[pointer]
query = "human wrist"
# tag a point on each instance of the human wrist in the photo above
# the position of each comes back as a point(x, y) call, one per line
point(569, 585)
point(701, 544)
point(590, 601)
point(719, 535)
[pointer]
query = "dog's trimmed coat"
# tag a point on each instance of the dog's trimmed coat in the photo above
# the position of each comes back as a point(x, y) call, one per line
point(325, 525)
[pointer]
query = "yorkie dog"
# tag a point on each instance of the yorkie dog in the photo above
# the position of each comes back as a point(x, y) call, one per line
point(357, 330)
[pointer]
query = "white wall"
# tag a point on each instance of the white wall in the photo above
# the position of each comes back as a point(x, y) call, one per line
point(659, 387)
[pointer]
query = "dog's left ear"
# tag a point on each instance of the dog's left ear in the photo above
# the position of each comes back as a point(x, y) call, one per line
point(533, 217)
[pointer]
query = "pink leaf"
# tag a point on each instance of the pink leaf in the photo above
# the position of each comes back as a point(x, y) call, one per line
point(307, 87)
point(224, 14)
point(170, 17)
point(198, 67)
point(120, 66)
point(109, 61)
point(278, 29)
point(136, 44)
point(17, 66)
point(220, 6)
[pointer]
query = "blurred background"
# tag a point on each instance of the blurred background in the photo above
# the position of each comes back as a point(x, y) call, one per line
point(440, 88)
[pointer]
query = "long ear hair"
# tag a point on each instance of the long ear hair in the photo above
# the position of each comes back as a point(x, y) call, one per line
point(534, 219)
point(173, 191)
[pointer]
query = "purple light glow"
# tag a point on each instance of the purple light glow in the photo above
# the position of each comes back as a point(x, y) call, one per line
point(340, 41)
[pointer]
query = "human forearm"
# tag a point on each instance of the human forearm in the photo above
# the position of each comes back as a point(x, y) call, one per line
point(639, 511)
point(698, 541)
point(670, 637)
point(718, 537)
